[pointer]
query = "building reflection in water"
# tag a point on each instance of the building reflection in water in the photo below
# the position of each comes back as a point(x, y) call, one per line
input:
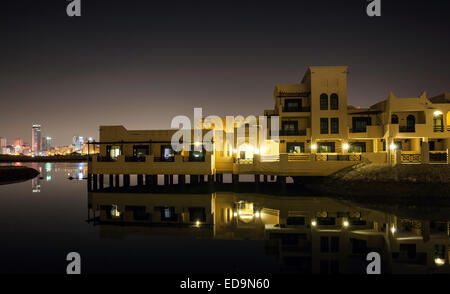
point(76, 171)
point(318, 235)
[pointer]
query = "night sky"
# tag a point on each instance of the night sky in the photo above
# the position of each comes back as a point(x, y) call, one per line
point(139, 63)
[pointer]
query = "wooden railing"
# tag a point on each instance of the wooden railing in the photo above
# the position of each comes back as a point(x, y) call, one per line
point(338, 157)
point(411, 157)
point(438, 156)
point(269, 158)
point(298, 157)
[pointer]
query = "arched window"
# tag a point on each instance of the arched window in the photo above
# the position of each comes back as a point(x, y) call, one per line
point(410, 123)
point(334, 101)
point(394, 119)
point(323, 101)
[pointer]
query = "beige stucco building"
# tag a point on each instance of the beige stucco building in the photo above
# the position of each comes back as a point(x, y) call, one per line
point(319, 134)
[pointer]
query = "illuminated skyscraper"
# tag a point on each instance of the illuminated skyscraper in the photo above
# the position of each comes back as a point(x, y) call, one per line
point(2, 142)
point(47, 143)
point(3, 145)
point(77, 143)
point(36, 143)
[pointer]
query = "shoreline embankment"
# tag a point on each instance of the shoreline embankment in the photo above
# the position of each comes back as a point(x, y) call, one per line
point(56, 158)
point(383, 183)
point(12, 174)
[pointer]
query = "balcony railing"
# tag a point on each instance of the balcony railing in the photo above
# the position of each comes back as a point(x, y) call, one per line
point(358, 130)
point(134, 158)
point(338, 157)
point(438, 128)
point(411, 157)
point(164, 159)
point(297, 109)
point(105, 159)
point(292, 132)
point(436, 156)
point(406, 129)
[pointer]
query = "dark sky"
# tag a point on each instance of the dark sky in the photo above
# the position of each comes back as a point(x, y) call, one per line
point(139, 63)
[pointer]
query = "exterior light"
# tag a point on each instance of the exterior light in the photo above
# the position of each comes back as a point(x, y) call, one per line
point(313, 223)
point(257, 214)
point(197, 222)
point(313, 146)
point(197, 144)
point(393, 230)
point(345, 146)
point(393, 146)
point(345, 223)
point(437, 112)
point(439, 261)
point(235, 213)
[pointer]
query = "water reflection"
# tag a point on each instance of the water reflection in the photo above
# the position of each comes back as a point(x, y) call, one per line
point(73, 171)
point(318, 235)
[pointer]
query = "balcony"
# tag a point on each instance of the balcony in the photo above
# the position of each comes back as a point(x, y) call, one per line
point(176, 164)
point(407, 129)
point(367, 132)
point(297, 109)
point(292, 132)
point(438, 128)
point(135, 158)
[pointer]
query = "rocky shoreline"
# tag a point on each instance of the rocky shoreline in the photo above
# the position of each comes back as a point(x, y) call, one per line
point(386, 183)
point(11, 174)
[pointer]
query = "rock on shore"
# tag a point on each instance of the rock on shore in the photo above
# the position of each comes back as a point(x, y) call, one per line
point(387, 182)
point(10, 174)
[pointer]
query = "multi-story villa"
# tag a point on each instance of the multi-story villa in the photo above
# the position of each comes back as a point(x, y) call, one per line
point(319, 134)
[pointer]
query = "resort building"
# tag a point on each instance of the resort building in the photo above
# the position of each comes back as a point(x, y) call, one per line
point(318, 134)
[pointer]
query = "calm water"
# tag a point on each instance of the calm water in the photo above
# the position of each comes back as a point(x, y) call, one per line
point(45, 218)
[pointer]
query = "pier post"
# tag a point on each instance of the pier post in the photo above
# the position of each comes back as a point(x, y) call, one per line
point(117, 185)
point(89, 181)
point(282, 181)
point(126, 180)
point(95, 182)
point(257, 181)
point(140, 180)
point(182, 180)
point(101, 180)
point(235, 179)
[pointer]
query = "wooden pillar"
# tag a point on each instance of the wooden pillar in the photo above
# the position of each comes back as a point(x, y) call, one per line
point(282, 181)
point(111, 180)
point(181, 179)
point(265, 179)
point(170, 179)
point(202, 179)
point(147, 180)
point(117, 181)
point(140, 180)
point(89, 181)
point(126, 180)
point(95, 182)
point(101, 179)
point(166, 180)
point(235, 179)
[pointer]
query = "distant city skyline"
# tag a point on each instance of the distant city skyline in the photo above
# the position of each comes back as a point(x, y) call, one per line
point(143, 63)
